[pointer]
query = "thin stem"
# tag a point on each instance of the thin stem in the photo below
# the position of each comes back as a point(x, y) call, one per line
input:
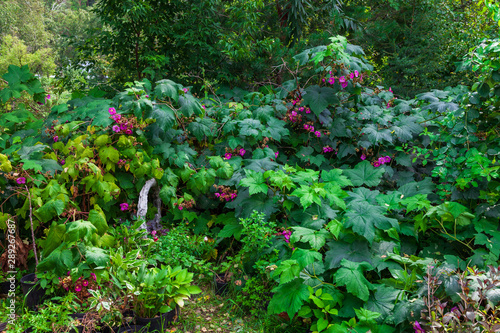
point(32, 228)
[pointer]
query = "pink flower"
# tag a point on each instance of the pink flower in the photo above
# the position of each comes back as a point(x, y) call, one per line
point(390, 90)
point(78, 288)
point(56, 138)
point(308, 110)
point(381, 160)
point(93, 276)
point(356, 73)
point(116, 128)
point(331, 80)
point(47, 97)
point(418, 328)
point(242, 151)
point(233, 196)
point(155, 238)
point(387, 159)
point(203, 106)
point(128, 132)
point(276, 154)
point(112, 111)
point(344, 84)
point(117, 117)
point(123, 126)
point(317, 133)
point(217, 194)
point(185, 90)
point(21, 180)
point(85, 283)
point(147, 96)
point(342, 79)
point(376, 164)
point(227, 156)
point(311, 128)
point(124, 206)
point(153, 232)
point(363, 157)
point(306, 127)
point(351, 76)
point(180, 207)
point(62, 162)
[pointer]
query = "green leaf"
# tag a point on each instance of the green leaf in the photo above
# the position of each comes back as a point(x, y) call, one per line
point(484, 90)
point(335, 176)
point(358, 251)
point(202, 128)
point(98, 219)
point(97, 256)
point(55, 237)
point(351, 276)
point(306, 257)
point(49, 210)
point(233, 228)
point(255, 181)
point(382, 301)
point(315, 238)
point(288, 297)
point(318, 98)
point(363, 218)
point(167, 89)
point(308, 195)
point(366, 316)
point(190, 105)
point(164, 116)
point(287, 270)
point(167, 193)
point(364, 173)
point(80, 230)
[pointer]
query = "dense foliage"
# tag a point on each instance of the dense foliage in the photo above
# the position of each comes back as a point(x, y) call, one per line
point(324, 199)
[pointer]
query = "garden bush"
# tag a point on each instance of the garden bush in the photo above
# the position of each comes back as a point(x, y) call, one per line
point(351, 192)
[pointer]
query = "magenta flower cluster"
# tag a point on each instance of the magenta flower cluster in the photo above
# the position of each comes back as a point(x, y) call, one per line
point(287, 234)
point(381, 160)
point(303, 109)
point(155, 238)
point(343, 79)
point(21, 180)
point(240, 152)
point(327, 149)
point(226, 196)
point(418, 328)
point(124, 206)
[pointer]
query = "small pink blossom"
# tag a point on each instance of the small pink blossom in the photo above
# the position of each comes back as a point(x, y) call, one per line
point(376, 164)
point(308, 110)
point(117, 117)
point(116, 128)
point(227, 156)
point(124, 206)
point(85, 283)
point(47, 97)
point(356, 73)
point(112, 111)
point(331, 80)
point(56, 138)
point(21, 180)
point(123, 126)
point(185, 90)
point(128, 132)
point(180, 207)
point(363, 157)
point(276, 154)
point(93, 276)
point(155, 238)
point(153, 232)
point(147, 96)
point(242, 151)
point(344, 84)
point(217, 194)
point(351, 76)
point(78, 288)
point(387, 159)
point(317, 133)
point(342, 79)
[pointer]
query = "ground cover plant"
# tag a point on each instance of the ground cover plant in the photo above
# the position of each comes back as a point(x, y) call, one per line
point(323, 204)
